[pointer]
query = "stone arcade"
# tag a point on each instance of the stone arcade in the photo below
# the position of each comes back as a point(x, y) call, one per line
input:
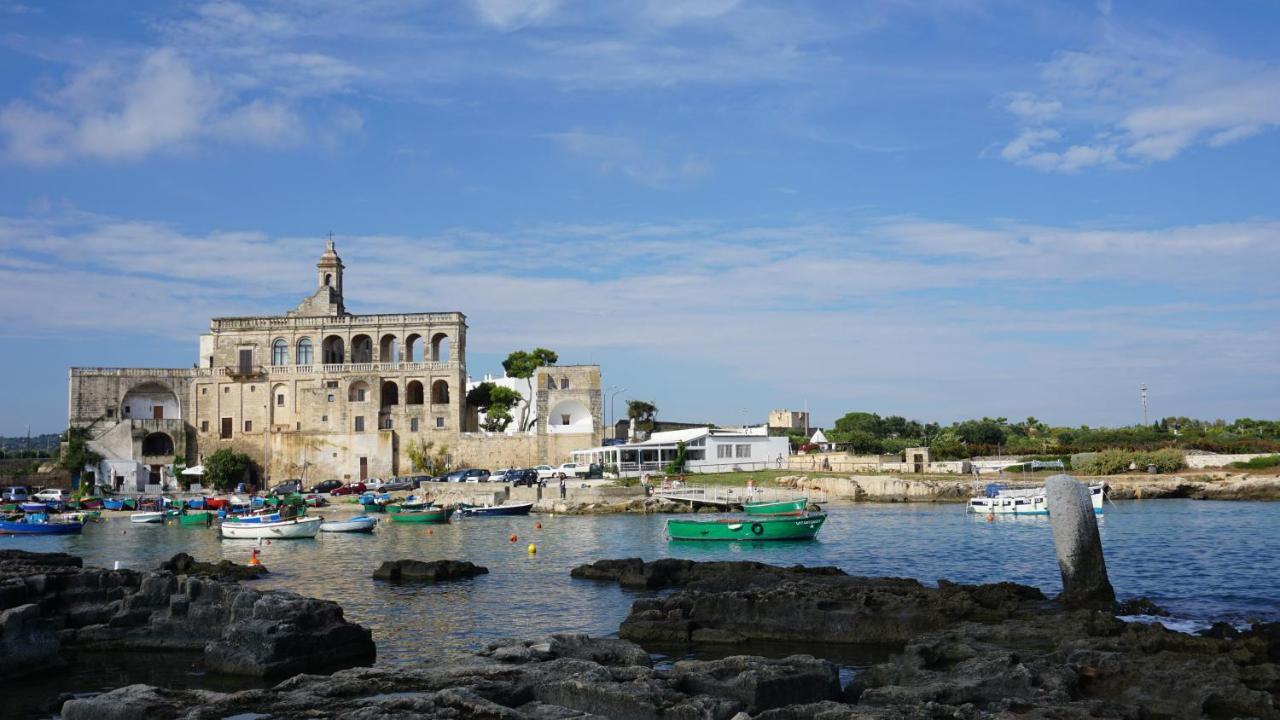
point(320, 393)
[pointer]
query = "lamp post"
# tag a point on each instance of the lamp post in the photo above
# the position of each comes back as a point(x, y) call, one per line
point(613, 391)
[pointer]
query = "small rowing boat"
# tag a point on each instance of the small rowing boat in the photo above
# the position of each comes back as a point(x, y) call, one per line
point(777, 507)
point(37, 524)
point(791, 528)
point(357, 524)
point(195, 519)
point(495, 510)
point(305, 527)
point(431, 515)
point(147, 517)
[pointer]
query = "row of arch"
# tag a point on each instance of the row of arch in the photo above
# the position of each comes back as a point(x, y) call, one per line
point(389, 393)
point(333, 350)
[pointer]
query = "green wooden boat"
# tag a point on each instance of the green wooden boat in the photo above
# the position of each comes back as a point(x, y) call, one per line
point(779, 507)
point(804, 527)
point(410, 507)
point(377, 508)
point(9, 507)
point(431, 515)
point(198, 518)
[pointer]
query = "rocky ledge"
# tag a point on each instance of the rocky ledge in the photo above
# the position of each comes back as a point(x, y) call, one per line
point(965, 650)
point(433, 571)
point(49, 602)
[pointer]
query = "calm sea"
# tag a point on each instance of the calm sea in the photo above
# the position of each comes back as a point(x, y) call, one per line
point(1201, 560)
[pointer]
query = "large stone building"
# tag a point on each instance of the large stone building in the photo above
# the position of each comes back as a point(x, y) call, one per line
point(321, 393)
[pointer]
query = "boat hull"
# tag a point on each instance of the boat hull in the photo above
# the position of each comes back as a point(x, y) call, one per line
point(284, 530)
point(358, 524)
point(434, 515)
point(781, 507)
point(497, 510)
point(749, 529)
point(147, 517)
point(12, 527)
point(194, 519)
point(1034, 503)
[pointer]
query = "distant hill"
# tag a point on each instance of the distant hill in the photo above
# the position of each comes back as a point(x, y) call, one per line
point(46, 444)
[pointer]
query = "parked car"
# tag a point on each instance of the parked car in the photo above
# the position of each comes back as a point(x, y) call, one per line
point(500, 475)
point(520, 478)
point(325, 486)
point(475, 475)
point(52, 495)
point(572, 470)
point(287, 487)
point(417, 480)
point(354, 488)
point(454, 476)
point(17, 493)
point(395, 484)
point(546, 472)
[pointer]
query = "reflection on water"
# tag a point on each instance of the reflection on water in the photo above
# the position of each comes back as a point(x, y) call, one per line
point(1199, 559)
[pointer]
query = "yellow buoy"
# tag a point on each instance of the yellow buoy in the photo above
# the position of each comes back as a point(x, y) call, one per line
point(532, 548)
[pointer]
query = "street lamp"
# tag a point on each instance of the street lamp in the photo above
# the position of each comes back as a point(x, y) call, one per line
point(613, 391)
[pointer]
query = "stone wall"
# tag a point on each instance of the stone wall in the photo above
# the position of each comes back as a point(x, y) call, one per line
point(1218, 461)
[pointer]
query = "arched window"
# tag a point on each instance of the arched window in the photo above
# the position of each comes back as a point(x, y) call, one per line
point(440, 347)
point(413, 348)
point(279, 352)
point(304, 352)
point(362, 349)
point(328, 279)
point(157, 444)
point(440, 392)
point(389, 349)
point(413, 393)
point(390, 393)
point(358, 392)
point(332, 350)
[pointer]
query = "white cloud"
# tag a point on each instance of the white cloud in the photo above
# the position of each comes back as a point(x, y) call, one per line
point(514, 14)
point(1141, 99)
point(615, 154)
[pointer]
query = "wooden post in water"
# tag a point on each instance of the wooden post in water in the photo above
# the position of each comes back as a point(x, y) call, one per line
point(1078, 545)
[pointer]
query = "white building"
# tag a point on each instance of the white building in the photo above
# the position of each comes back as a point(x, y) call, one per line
point(706, 450)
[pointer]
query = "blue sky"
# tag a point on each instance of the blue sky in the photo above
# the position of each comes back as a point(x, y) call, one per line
point(936, 209)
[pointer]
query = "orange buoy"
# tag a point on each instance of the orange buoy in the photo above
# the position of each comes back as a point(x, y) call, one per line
point(253, 559)
point(991, 517)
point(430, 531)
point(538, 526)
point(513, 537)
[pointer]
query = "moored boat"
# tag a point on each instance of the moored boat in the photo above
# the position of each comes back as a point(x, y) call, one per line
point(113, 503)
point(198, 518)
point(357, 524)
point(777, 507)
point(147, 517)
point(33, 507)
point(804, 527)
point(1002, 500)
point(305, 527)
point(37, 524)
point(495, 510)
point(430, 515)
point(93, 503)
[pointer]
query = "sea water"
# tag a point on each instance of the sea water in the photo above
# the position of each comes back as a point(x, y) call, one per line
point(1201, 560)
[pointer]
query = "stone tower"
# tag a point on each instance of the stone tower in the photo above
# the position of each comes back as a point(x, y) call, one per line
point(327, 299)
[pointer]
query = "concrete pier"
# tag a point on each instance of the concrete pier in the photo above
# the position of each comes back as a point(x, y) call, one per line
point(1078, 545)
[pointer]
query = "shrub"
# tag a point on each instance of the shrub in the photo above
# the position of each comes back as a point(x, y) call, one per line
point(1258, 463)
point(1111, 461)
point(1166, 460)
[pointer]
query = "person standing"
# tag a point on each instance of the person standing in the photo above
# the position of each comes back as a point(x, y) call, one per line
point(562, 486)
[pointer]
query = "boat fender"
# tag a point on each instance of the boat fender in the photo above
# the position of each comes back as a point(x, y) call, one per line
point(757, 529)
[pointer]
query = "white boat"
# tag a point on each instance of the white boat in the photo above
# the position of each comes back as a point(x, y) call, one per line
point(359, 523)
point(147, 517)
point(304, 527)
point(1000, 500)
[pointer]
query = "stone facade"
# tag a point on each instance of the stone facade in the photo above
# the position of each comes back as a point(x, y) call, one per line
point(788, 419)
point(323, 393)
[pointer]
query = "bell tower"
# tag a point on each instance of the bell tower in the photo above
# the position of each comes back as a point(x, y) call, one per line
point(327, 299)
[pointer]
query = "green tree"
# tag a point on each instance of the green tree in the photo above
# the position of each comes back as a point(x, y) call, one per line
point(77, 455)
point(677, 463)
point(642, 411)
point(226, 467)
point(523, 365)
point(861, 422)
point(424, 459)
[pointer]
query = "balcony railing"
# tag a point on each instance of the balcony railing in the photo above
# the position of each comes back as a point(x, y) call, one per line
point(273, 370)
point(334, 321)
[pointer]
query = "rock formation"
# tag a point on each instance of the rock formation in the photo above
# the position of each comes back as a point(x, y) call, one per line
point(433, 571)
point(238, 630)
point(1078, 545)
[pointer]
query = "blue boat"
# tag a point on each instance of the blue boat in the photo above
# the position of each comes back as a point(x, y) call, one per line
point(196, 503)
point(33, 507)
point(38, 524)
point(357, 524)
point(252, 519)
point(495, 510)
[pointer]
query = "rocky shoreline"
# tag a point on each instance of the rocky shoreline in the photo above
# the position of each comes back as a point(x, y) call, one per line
point(955, 651)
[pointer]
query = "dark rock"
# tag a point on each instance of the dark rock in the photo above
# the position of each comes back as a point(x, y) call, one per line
point(184, 564)
point(283, 634)
point(1078, 544)
point(24, 558)
point(433, 571)
point(673, 572)
point(759, 683)
point(28, 642)
point(1140, 606)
